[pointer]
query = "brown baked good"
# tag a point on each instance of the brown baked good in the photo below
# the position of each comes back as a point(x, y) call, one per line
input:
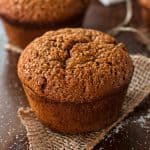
point(145, 10)
point(75, 79)
point(24, 20)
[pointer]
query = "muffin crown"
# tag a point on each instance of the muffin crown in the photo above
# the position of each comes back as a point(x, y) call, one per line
point(41, 11)
point(75, 65)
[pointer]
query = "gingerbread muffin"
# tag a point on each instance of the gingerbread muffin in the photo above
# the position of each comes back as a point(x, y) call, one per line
point(26, 19)
point(145, 10)
point(75, 79)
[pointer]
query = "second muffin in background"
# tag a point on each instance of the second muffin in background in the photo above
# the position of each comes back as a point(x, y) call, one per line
point(24, 20)
point(75, 79)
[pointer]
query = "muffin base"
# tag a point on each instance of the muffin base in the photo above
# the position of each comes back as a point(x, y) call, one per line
point(74, 118)
point(21, 34)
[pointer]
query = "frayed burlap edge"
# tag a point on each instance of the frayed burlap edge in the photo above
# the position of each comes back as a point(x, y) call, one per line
point(42, 138)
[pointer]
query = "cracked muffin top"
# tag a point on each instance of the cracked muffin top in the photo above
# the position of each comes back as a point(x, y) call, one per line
point(41, 11)
point(75, 65)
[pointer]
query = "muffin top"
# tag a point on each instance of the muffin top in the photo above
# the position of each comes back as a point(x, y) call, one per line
point(75, 65)
point(41, 11)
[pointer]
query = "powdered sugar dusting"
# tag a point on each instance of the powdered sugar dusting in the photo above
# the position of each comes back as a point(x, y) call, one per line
point(144, 121)
point(118, 128)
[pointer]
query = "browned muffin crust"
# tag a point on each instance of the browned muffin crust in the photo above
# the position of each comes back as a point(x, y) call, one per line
point(75, 65)
point(76, 21)
point(72, 118)
point(41, 12)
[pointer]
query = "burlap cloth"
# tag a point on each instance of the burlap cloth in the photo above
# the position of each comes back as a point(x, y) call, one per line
point(42, 138)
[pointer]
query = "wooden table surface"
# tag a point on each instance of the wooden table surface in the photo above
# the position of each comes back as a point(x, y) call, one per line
point(134, 134)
